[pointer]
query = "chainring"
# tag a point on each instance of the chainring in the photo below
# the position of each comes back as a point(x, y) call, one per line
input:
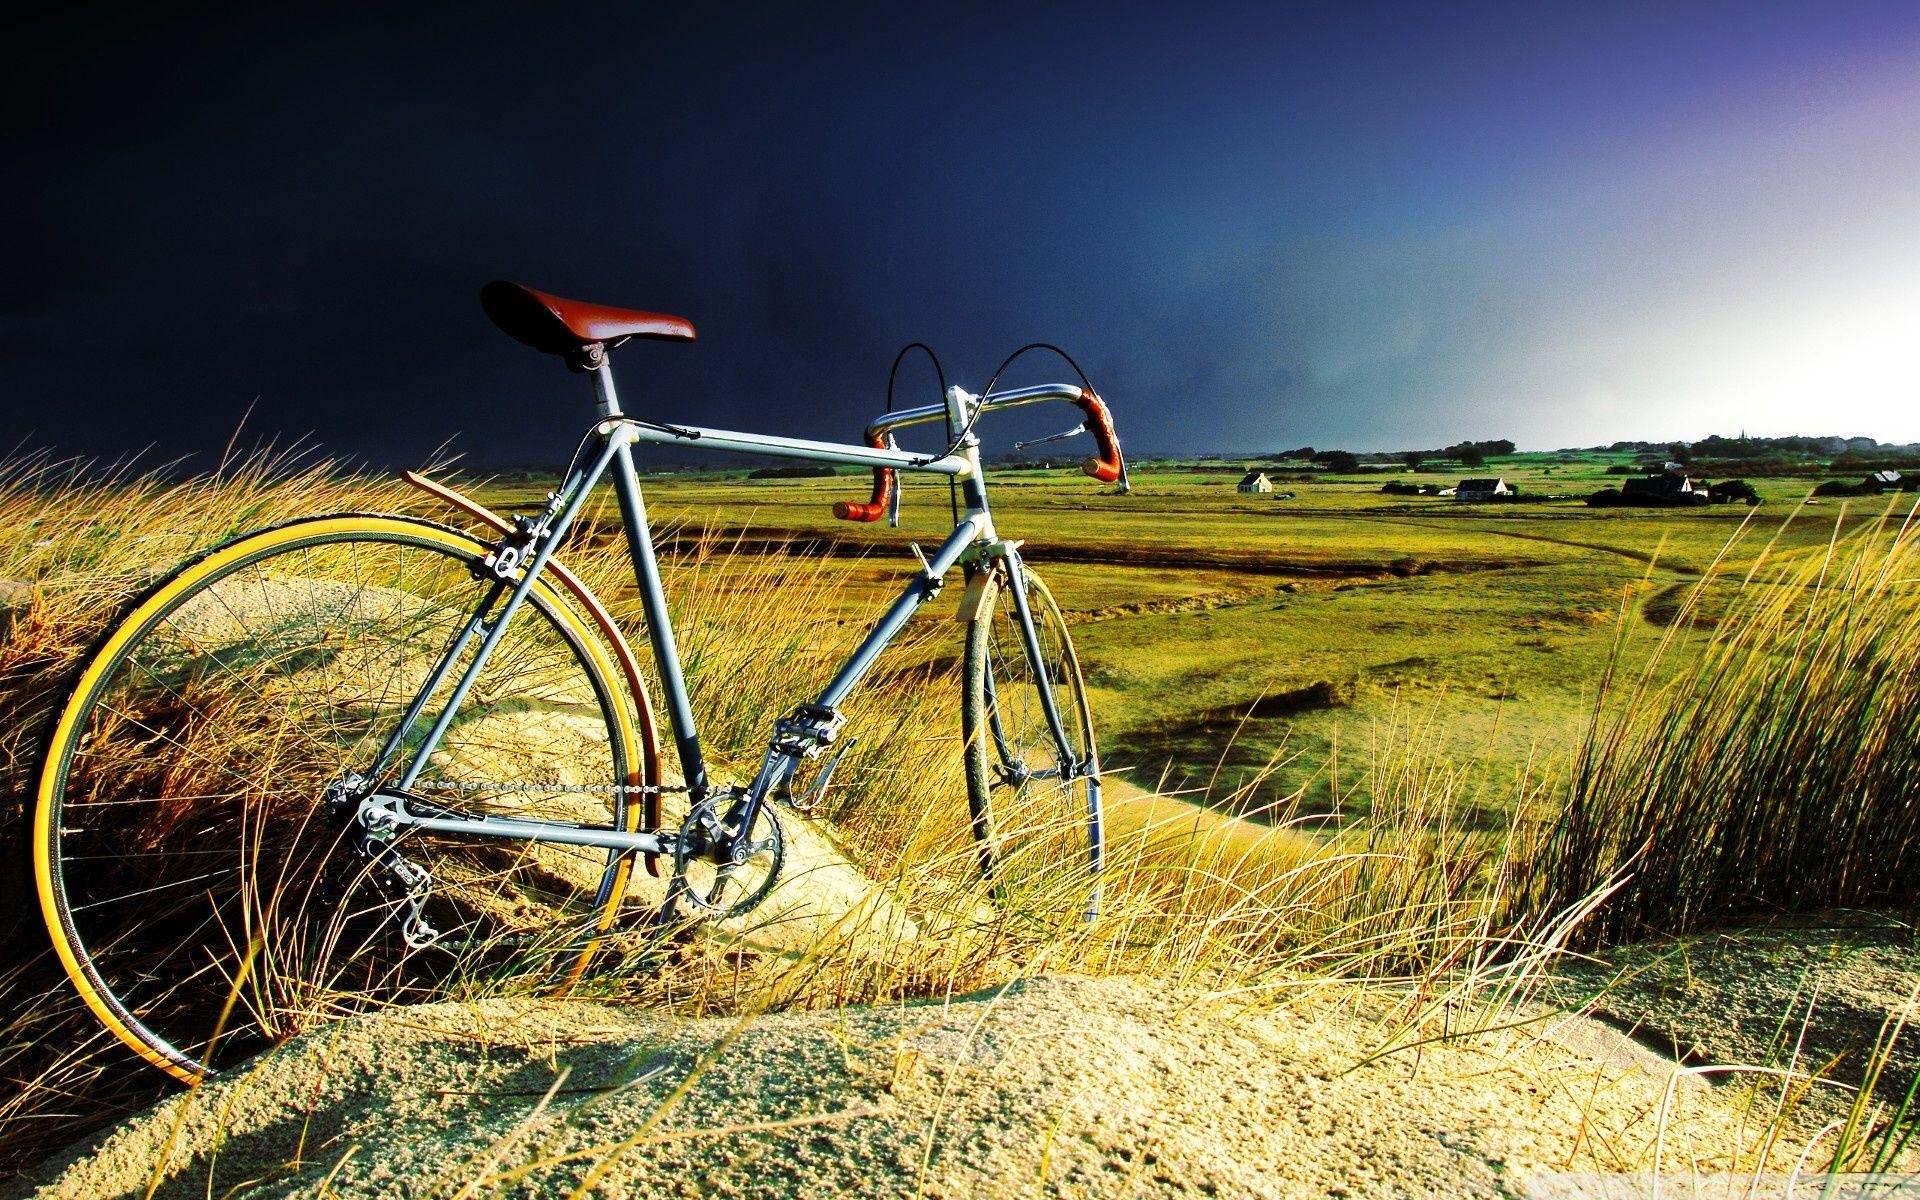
point(754, 866)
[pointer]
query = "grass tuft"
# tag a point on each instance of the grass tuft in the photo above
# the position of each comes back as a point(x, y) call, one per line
point(1766, 763)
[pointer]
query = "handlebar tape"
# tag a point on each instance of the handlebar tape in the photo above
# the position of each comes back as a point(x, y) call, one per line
point(883, 485)
point(1106, 466)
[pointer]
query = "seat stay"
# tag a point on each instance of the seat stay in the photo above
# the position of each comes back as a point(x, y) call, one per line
point(549, 533)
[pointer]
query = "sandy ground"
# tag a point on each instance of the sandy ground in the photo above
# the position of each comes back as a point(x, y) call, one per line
point(1814, 993)
point(1058, 1086)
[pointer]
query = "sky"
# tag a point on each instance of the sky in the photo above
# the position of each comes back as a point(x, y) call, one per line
point(1256, 227)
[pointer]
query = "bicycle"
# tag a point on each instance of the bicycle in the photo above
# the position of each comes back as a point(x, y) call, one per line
point(320, 766)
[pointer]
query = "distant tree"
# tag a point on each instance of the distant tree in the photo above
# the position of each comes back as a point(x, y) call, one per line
point(1471, 457)
point(1336, 460)
point(1413, 459)
point(1681, 453)
point(1301, 454)
point(821, 472)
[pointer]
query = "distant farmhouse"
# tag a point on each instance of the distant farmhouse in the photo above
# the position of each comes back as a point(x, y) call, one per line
point(1668, 487)
point(1255, 481)
point(1671, 488)
point(1872, 485)
point(1482, 491)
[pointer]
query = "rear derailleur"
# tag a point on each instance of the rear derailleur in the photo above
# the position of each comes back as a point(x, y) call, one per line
point(370, 834)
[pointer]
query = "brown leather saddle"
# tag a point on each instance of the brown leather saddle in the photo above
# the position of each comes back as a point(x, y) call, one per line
point(577, 331)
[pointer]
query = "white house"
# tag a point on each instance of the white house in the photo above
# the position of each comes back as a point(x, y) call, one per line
point(1256, 481)
point(1481, 490)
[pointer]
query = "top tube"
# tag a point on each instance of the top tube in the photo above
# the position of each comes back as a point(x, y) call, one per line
point(738, 442)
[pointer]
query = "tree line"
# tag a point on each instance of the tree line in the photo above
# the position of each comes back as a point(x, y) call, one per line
point(1467, 454)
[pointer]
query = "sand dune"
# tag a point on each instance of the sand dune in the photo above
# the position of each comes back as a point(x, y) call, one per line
point(1055, 1086)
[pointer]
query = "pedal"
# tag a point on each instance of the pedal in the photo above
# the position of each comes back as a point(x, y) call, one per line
point(809, 803)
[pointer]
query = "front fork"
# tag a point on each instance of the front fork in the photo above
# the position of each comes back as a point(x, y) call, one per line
point(1014, 767)
point(1005, 560)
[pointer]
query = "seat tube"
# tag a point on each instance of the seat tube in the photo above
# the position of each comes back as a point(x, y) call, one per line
point(653, 597)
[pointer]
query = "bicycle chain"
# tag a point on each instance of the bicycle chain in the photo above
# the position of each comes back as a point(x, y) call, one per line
point(485, 785)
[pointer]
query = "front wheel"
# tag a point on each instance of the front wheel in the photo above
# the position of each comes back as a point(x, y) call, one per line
point(1033, 768)
point(203, 891)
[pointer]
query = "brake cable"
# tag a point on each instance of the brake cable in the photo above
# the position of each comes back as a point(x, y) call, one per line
point(974, 416)
point(953, 488)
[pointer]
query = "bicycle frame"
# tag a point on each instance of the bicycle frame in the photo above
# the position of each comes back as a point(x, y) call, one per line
point(519, 558)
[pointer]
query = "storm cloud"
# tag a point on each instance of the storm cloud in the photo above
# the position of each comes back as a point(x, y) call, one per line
point(1378, 226)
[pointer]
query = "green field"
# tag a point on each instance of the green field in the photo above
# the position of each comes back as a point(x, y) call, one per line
point(1222, 631)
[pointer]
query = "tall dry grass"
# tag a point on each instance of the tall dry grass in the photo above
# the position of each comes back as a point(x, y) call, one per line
point(1245, 909)
point(82, 540)
point(1767, 758)
point(1455, 926)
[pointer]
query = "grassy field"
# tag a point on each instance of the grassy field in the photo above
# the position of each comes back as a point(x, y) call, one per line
point(1754, 752)
point(1221, 631)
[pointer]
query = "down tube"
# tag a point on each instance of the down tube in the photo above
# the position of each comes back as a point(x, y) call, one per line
point(918, 592)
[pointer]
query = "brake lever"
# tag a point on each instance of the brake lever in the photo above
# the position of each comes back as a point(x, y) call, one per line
point(1076, 431)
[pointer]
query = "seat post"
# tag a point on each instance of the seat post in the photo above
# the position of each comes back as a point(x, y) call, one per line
point(603, 390)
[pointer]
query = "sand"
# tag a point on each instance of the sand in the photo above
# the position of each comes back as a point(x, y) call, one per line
point(1814, 991)
point(1058, 1086)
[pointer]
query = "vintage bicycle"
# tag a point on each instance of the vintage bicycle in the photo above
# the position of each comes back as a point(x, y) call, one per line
point(324, 764)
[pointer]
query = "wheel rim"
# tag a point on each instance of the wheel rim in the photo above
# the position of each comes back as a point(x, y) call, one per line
point(192, 862)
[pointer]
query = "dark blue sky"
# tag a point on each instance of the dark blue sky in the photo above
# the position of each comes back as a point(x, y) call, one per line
point(1374, 226)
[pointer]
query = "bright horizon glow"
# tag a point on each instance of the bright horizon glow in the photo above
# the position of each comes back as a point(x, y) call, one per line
point(1747, 262)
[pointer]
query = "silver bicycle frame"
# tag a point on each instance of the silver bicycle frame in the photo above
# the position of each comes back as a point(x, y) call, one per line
point(387, 805)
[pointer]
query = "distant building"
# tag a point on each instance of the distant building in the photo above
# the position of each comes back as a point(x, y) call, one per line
point(1661, 489)
point(1667, 487)
point(1255, 481)
point(1882, 481)
point(1479, 491)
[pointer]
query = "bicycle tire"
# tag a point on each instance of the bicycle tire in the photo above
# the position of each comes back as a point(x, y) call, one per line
point(1037, 830)
point(197, 892)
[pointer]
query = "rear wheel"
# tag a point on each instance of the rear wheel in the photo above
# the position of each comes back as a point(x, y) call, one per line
point(203, 894)
point(1035, 802)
